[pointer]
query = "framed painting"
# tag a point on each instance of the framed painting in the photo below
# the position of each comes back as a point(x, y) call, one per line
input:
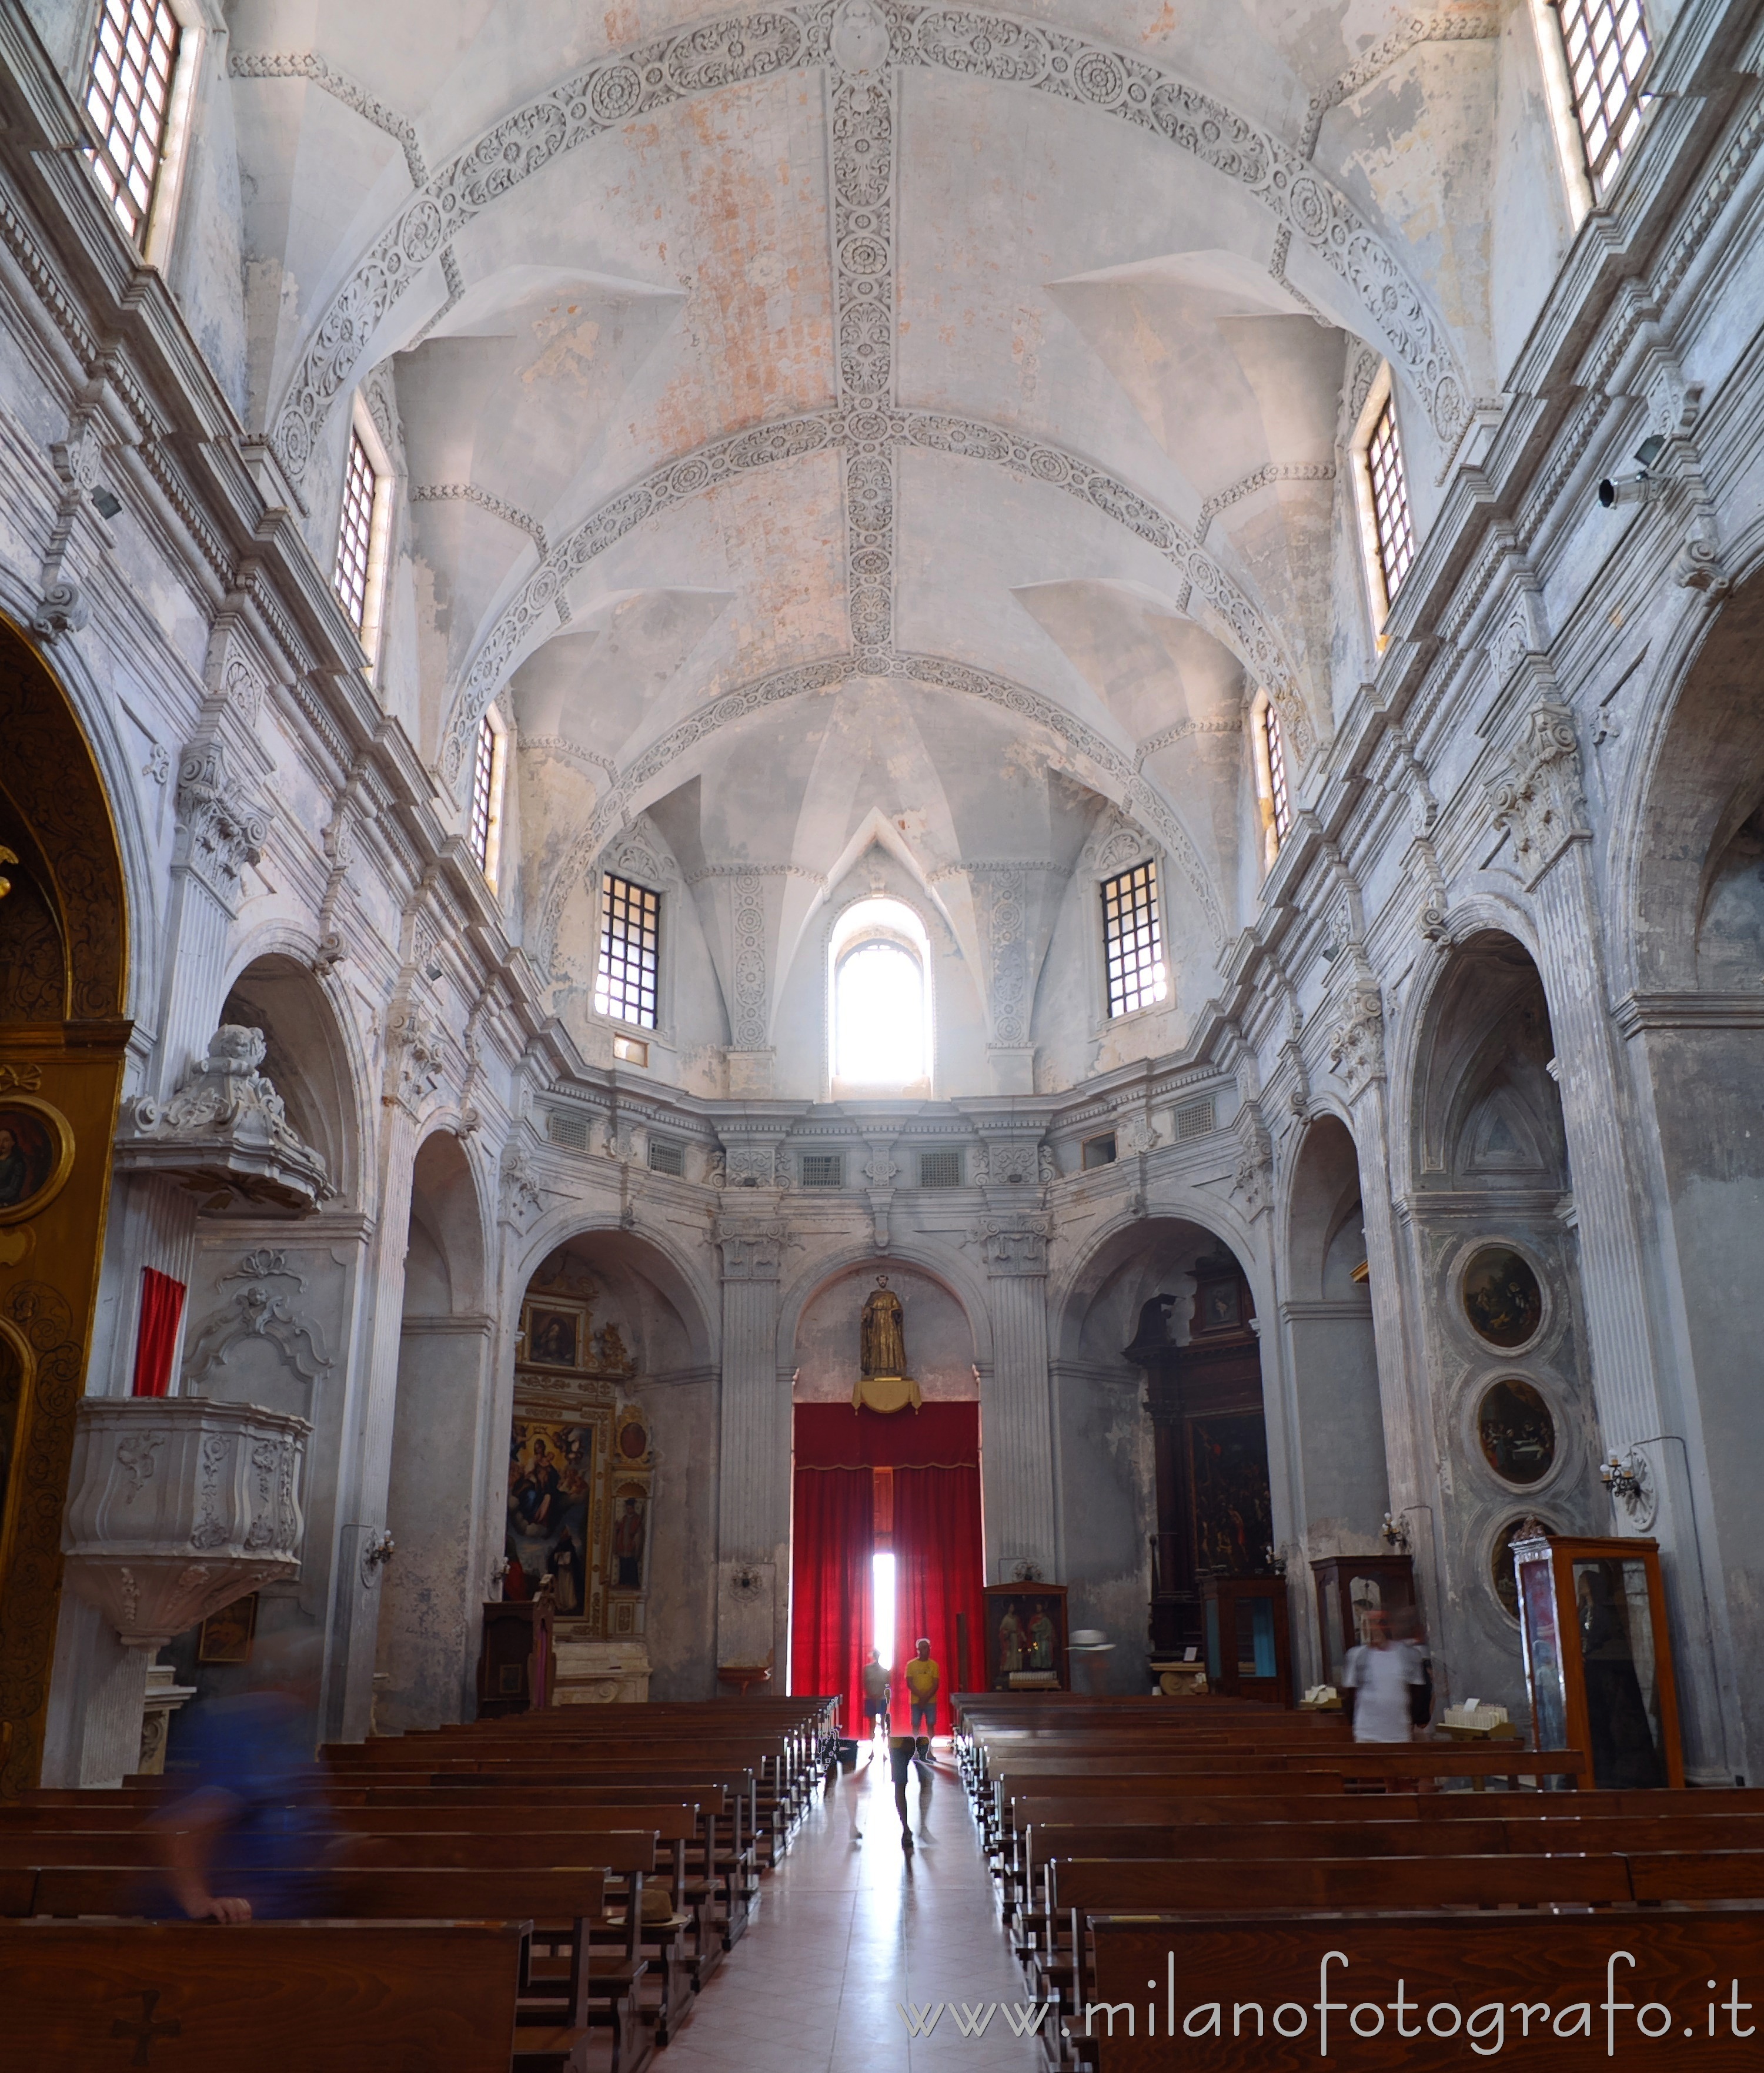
point(36, 1156)
point(1503, 1297)
point(1025, 1636)
point(551, 1470)
point(554, 1336)
point(227, 1635)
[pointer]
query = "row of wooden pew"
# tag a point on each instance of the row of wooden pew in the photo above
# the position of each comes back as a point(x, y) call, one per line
point(547, 1893)
point(1220, 1883)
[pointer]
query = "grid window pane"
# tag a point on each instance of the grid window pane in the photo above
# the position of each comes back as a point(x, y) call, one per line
point(355, 533)
point(1133, 940)
point(1277, 757)
point(129, 98)
point(483, 780)
point(1609, 50)
point(1389, 499)
point(630, 924)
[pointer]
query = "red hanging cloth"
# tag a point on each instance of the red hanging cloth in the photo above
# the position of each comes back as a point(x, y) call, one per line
point(936, 1435)
point(162, 1306)
point(833, 1539)
point(939, 1571)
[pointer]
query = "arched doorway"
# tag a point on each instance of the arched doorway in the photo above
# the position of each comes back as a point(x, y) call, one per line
point(615, 1399)
point(432, 1586)
point(1508, 1404)
point(1167, 1488)
point(1326, 1309)
point(63, 921)
point(887, 1545)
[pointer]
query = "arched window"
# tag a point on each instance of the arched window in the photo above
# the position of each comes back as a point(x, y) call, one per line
point(879, 1018)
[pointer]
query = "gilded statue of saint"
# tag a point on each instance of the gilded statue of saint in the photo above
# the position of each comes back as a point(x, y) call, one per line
point(882, 1350)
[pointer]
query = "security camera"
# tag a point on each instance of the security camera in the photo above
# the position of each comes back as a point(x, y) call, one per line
point(1638, 489)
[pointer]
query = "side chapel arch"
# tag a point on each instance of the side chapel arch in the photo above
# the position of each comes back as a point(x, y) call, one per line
point(65, 924)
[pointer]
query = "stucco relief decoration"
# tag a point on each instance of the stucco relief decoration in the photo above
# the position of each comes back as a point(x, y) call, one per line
point(1007, 891)
point(264, 1309)
point(226, 1133)
point(1006, 1165)
point(747, 1009)
point(1136, 1133)
point(1357, 1040)
point(221, 827)
point(1540, 803)
point(748, 1166)
point(1252, 1182)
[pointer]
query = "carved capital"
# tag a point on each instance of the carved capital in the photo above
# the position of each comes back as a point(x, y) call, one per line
point(1540, 803)
point(1357, 1041)
point(754, 1252)
point(221, 828)
point(1011, 1245)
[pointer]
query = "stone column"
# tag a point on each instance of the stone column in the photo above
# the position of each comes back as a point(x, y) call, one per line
point(1357, 1058)
point(1016, 1422)
point(1540, 805)
point(753, 1467)
point(415, 1058)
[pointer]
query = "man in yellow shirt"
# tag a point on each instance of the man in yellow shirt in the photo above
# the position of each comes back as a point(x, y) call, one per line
point(923, 1677)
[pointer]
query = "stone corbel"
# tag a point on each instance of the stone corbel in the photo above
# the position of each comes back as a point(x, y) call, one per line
point(1252, 1184)
point(416, 1056)
point(1540, 803)
point(523, 1196)
point(1356, 1039)
point(226, 1133)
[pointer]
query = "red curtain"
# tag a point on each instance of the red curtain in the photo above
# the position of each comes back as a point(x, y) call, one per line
point(939, 1570)
point(934, 1453)
point(162, 1306)
point(832, 1541)
point(936, 1435)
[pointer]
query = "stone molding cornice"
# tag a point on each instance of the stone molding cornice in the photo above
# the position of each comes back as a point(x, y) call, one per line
point(469, 492)
point(1638, 1013)
point(307, 65)
point(1473, 24)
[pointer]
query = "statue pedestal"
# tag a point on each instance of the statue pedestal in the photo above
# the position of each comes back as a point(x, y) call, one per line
point(886, 1393)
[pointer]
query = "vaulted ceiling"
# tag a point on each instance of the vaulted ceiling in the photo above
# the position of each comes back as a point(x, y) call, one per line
point(836, 409)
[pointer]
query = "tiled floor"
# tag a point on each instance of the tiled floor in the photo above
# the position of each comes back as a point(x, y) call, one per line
point(849, 1930)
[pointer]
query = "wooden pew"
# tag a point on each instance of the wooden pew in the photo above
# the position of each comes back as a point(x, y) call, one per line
point(311, 1997)
point(566, 1984)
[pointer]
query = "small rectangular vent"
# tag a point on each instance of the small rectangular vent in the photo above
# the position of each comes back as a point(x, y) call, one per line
point(823, 1169)
point(1099, 1151)
point(940, 1170)
point(666, 1158)
point(571, 1130)
point(1194, 1119)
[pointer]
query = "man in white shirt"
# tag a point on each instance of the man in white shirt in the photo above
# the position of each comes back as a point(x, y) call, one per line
point(1380, 1674)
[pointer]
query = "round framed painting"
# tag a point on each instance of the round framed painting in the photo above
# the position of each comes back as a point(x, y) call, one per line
point(36, 1156)
point(1503, 1297)
point(1502, 1572)
point(1515, 1431)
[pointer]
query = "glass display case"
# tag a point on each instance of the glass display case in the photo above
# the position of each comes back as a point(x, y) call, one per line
point(1350, 1589)
point(1598, 1659)
point(1248, 1650)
